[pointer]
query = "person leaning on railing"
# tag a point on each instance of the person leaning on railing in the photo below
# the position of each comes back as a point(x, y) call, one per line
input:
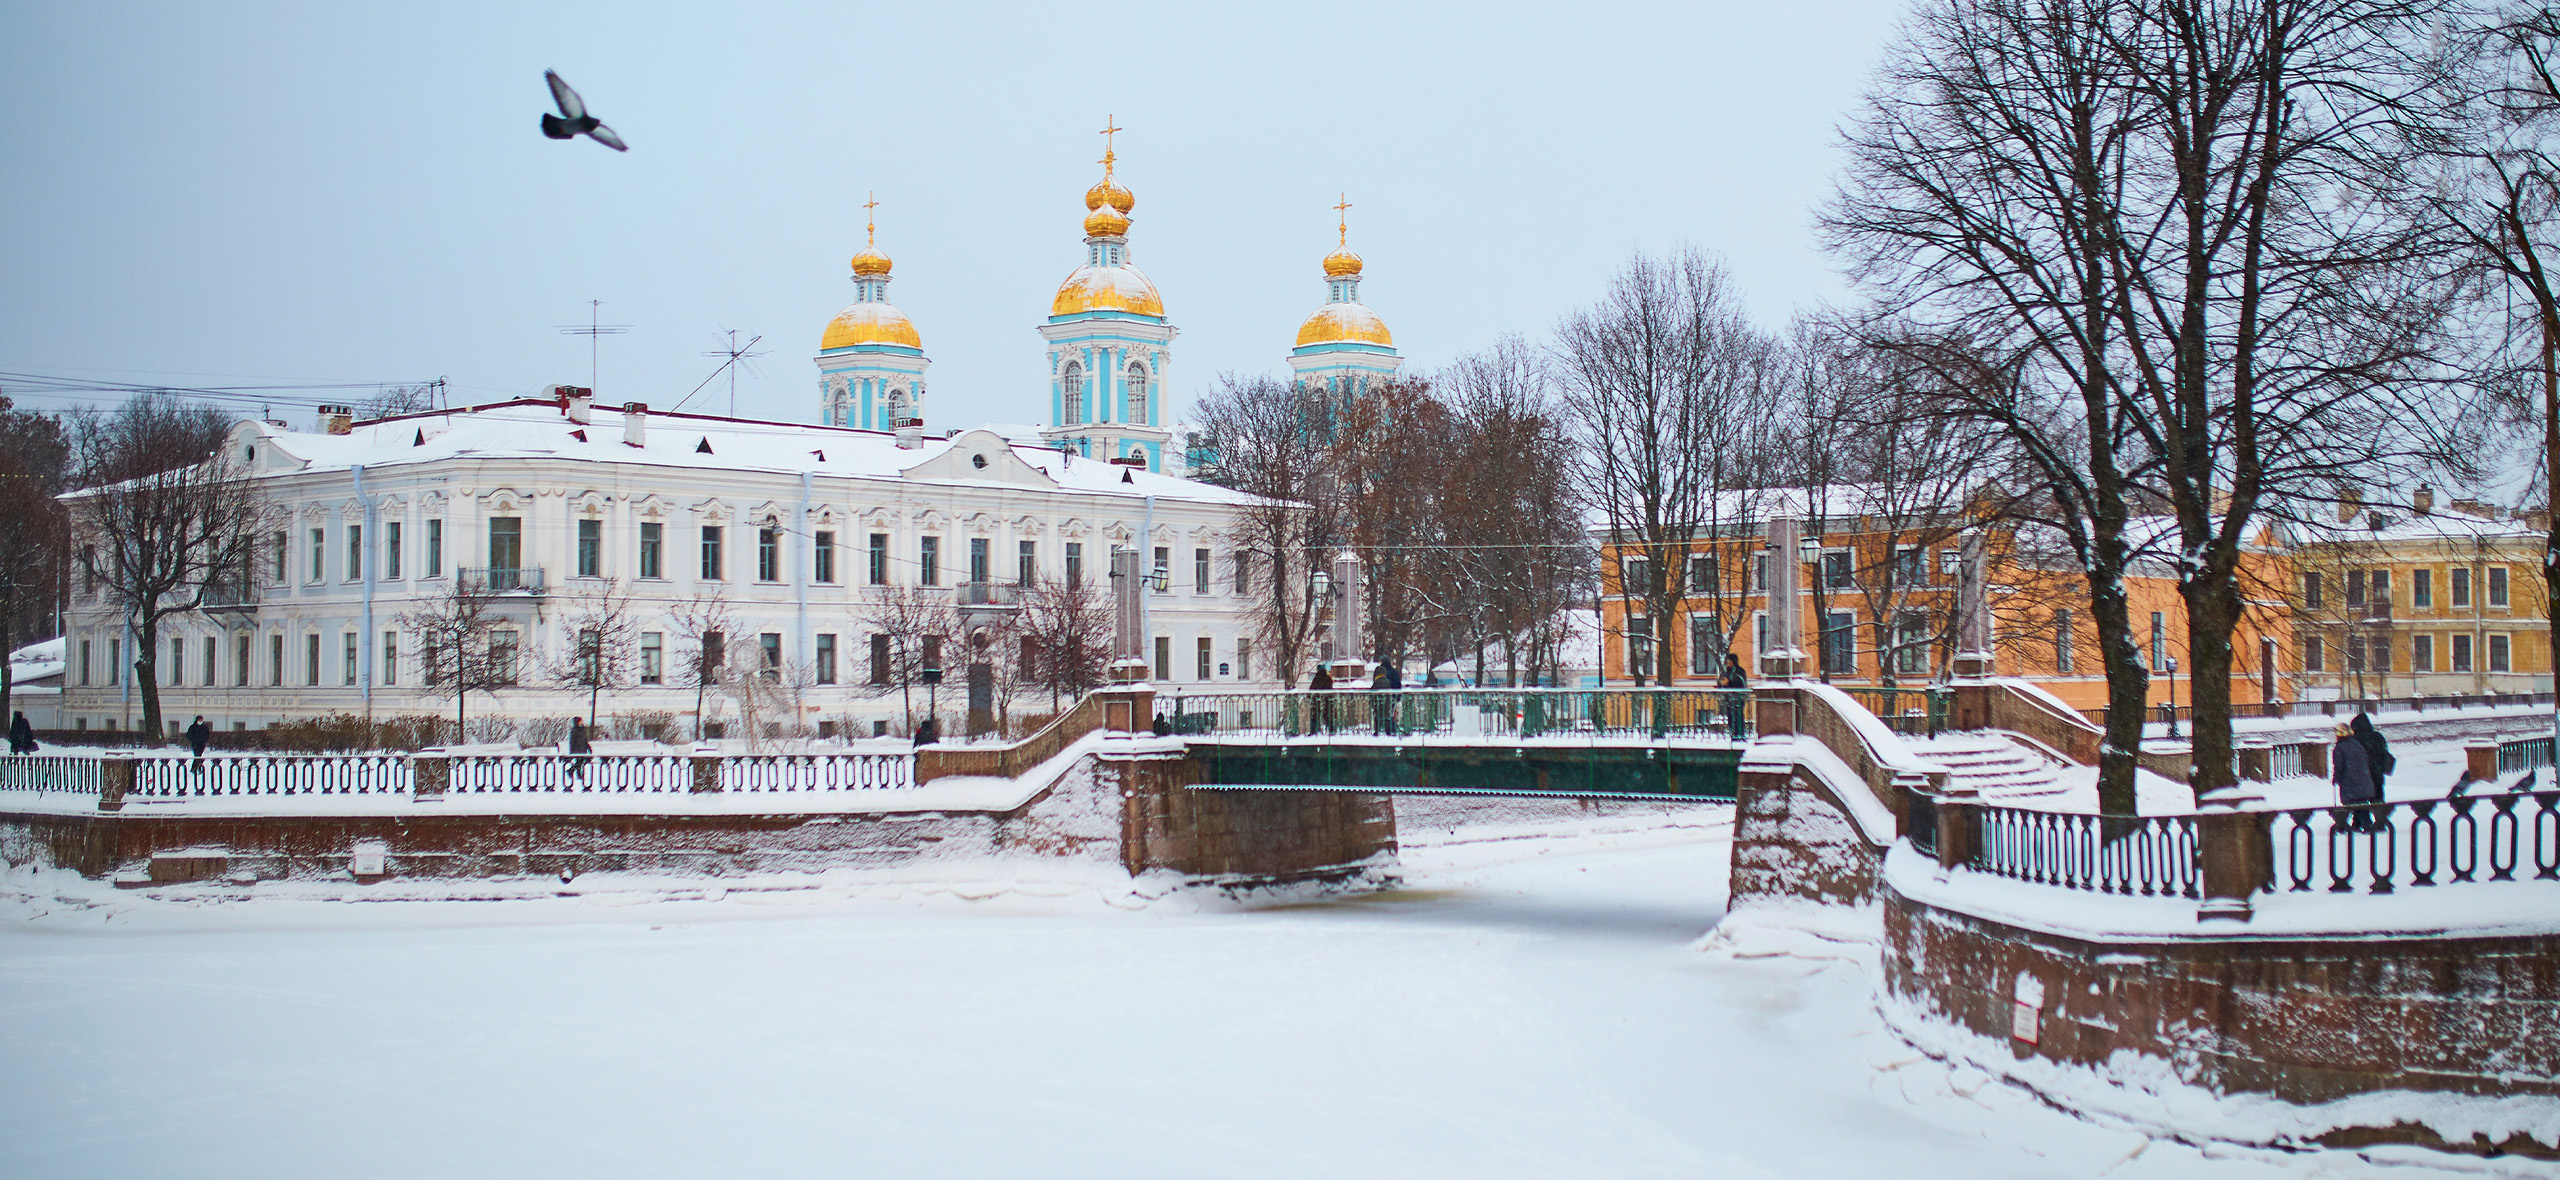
point(1382, 707)
point(2351, 767)
point(1732, 679)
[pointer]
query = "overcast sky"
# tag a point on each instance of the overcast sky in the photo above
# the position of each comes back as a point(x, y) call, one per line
point(227, 195)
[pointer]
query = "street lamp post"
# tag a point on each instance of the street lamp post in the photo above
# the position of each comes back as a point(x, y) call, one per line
point(2173, 698)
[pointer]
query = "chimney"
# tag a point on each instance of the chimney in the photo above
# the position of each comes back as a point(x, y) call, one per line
point(910, 433)
point(2350, 502)
point(635, 424)
point(337, 419)
point(579, 400)
point(2424, 501)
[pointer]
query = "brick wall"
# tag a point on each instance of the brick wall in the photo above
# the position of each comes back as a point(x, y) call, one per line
point(2307, 1021)
point(1793, 839)
point(1263, 835)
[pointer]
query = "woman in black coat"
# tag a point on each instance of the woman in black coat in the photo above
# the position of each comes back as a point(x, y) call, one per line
point(22, 736)
point(2351, 768)
point(2377, 753)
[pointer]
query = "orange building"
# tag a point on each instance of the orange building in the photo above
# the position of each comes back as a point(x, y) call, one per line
point(1878, 603)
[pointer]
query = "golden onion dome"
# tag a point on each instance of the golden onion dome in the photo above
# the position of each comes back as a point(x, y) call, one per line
point(1108, 193)
point(1341, 264)
point(870, 262)
point(1105, 222)
point(1107, 288)
point(1345, 323)
point(870, 323)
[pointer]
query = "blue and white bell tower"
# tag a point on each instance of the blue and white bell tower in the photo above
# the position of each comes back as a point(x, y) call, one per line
point(871, 362)
point(1109, 341)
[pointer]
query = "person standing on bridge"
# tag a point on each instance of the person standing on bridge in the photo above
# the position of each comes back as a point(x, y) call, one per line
point(2378, 759)
point(2351, 768)
point(198, 735)
point(1382, 705)
point(1322, 681)
point(1736, 687)
point(22, 736)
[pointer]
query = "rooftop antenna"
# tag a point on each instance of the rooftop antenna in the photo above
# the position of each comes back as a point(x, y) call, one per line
point(593, 328)
point(735, 353)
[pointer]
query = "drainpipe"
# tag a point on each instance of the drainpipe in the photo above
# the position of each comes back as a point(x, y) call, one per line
point(364, 635)
point(800, 578)
point(1147, 568)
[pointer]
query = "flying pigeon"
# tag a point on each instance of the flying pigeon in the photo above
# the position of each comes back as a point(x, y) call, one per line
point(573, 119)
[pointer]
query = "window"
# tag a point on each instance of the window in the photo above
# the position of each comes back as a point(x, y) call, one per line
point(391, 551)
point(2498, 587)
point(2422, 650)
point(1244, 659)
point(771, 642)
point(2355, 653)
point(212, 660)
point(311, 660)
point(2062, 641)
point(2461, 585)
point(2461, 652)
point(711, 553)
point(319, 556)
point(1137, 395)
point(84, 661)
point(2159, 641)
point(879, 659)
point(2311, 590)
point(1702, 573)
point(1760, 572)
point(2422, 588)
point(1244, 571)
point(1634, 574)
point(1705, 641)
point(1639, 646)
point(590, 668)
point(390, 658)
point(932, 659)
point(1162, 574)
point(1199, 571)
point(1071, 395)
point(506, 543)
point(2313, 655)
point(1950, 561)
point(1759, 632)
point(929, 562)
point(879, 559)
point(1911, 642)
point(653, 657)
point(115, 661)
point(2498, 654)
point(350, 644)
point(355, 553)
point(240, 661)
point(2355, 588)
point(823, 551)
point(978, 560)
point(177, 661)
point(1837, 570)
point(590, 548)
point(1026, 562)
point(1028, 658)
point(277, 546)
point(1164, 657)
point(2382, 591)
point(435, 548)
point(1203, 653)
point(503, 646)
point(826, 671)
point(768, 554)
point(1840, 643)
point(2377, 655)
point(652, 550)
point(275, 660)
point(715, 652)
point(1908, 569)
point(1075, 563)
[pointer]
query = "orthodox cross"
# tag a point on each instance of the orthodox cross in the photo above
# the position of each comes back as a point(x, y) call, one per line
point(1344, 225)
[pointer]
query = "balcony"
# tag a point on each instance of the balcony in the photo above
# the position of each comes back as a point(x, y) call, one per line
point(230, 598)
point(990, 594)
point(487, 579)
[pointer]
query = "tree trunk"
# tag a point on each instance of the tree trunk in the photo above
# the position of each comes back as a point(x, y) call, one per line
point(2128, 690)
point(2551, 492)
point(146, 675)
point(2213, 613)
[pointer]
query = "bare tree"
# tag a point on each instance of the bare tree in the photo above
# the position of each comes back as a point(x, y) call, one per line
point(1273, 441)
point(600, 645)
point(165, 514)
point(454, 630)
point(922, 625)
point(1515, 555)
point(1392, 446)
point(704, 626)
point(392, 401)
point(1671, 388)
point(35, 456)
point(1067, 627)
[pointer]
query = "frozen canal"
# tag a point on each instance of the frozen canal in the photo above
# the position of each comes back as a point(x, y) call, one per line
point(1533, 1009)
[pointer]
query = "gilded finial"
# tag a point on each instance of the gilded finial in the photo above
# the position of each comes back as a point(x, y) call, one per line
point(1107, 193)
point(1342, 263)
point(1342, 227)
point(871, 263)
point(870, 222)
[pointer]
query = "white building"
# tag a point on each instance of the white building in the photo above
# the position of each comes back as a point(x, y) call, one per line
point(798, 527)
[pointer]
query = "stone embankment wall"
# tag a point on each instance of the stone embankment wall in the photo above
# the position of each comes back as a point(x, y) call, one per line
point(1262, 836)
point(1793, 838)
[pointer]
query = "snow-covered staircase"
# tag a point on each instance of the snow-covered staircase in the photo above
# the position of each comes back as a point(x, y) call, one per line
point(2001, 768)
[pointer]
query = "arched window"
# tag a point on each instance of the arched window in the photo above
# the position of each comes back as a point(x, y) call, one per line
point(1071, 394)
point(1138, 394)
point(898, 414)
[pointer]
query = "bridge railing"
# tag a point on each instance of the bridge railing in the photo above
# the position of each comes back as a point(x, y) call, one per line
point(1467, 714)
point(1914, 711)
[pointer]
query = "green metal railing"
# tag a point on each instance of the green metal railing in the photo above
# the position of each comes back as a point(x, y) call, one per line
point(1471, 714)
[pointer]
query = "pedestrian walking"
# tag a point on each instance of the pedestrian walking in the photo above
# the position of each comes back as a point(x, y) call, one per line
point(2351, 768)
point(1382, 705)
point(2378, 760)
point(198, 735)
point(1322, 681)
point(581, 744)
point(927, 733)
point(22, 736)
point(1736, 686)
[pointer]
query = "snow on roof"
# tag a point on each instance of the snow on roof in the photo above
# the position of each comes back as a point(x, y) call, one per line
point(37, 659)
point(2399, 524)
point(540, 429)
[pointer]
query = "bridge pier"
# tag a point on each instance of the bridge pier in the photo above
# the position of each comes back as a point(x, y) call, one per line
point(1244, 837)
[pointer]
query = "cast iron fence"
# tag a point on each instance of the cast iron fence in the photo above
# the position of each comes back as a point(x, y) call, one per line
point(2382, 847)
point(1465, 714)
point(2149, 856)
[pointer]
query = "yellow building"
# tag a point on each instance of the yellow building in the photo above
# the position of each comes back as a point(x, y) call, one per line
point(2405, 600)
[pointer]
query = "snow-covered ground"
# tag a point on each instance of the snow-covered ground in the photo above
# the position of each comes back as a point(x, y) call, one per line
point(1547, 1007)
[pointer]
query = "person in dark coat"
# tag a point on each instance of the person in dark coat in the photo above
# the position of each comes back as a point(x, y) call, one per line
point(2378, 760)
point(198, 734)
point(22, 736)
point(1382, 707)
point(1735, 684)
point(1322, 681)
point(2351, 768)
point(927, 733)
point(580, 745)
